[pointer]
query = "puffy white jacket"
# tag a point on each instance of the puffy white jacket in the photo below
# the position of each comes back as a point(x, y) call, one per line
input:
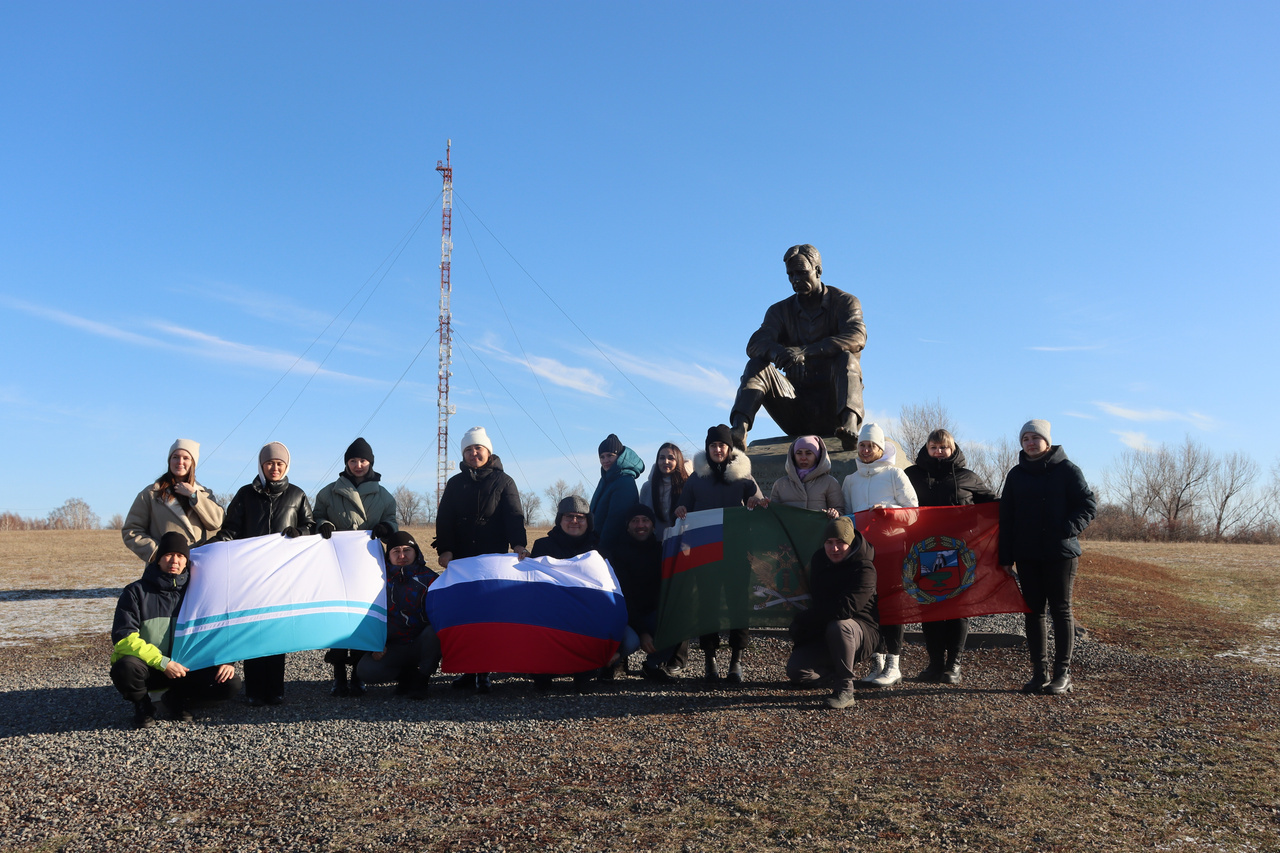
point(881, 482)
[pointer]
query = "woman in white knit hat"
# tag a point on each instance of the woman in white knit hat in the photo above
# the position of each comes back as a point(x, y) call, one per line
point(479, 513)
point(174, 503)
point(879, 482)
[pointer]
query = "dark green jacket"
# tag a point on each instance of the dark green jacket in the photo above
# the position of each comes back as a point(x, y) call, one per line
point(145, 616)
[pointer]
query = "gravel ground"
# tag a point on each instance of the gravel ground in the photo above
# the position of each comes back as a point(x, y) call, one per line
point(1147, 754)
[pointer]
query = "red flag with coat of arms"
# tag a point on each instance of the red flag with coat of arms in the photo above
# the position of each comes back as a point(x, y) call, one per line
point(935, 563)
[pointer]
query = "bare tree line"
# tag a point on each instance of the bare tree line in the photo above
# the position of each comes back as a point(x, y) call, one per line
point(75, 514)
point(989, 460)
point(1189, 493)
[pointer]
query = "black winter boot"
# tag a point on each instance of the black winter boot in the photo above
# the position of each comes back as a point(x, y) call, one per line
point(735, 667)
point(1061, 683)
point(144, 713)
point(1038, 681)
point(482, 682)
point(466, 681)
point(711, 674)
point(340, 687)
point(175, 708)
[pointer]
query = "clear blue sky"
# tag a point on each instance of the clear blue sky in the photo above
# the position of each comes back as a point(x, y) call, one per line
point(1067, 211)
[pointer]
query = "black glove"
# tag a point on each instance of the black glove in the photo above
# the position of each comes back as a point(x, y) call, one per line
point(381, 530)
point(326, 529)
point(291, 531)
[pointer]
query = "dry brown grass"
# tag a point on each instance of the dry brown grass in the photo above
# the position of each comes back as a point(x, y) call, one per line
point(1181, 599)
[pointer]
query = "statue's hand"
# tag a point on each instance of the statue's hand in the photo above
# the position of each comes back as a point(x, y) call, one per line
point(790, 357)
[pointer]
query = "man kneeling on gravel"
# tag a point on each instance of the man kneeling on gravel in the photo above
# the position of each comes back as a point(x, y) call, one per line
point(842, 624)
point(143, 637)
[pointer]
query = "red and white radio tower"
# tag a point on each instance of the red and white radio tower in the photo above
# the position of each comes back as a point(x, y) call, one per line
point(444, 410)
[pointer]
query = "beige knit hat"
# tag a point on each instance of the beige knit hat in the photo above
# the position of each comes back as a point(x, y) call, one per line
point(192, 447)
point(274, 450)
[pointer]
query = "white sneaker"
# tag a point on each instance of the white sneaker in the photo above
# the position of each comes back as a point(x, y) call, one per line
point(890, 675)
point(877, 667)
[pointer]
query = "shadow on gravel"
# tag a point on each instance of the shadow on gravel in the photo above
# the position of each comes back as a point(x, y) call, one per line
point(61, 709)
point(47, 594)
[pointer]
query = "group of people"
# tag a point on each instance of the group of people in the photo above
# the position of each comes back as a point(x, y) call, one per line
point(1044, 505)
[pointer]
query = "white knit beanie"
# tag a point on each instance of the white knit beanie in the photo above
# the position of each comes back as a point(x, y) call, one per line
point(192, 447)
point(873, 434)
point(476, 435)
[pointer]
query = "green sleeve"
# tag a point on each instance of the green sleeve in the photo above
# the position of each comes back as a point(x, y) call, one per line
point(139, 648)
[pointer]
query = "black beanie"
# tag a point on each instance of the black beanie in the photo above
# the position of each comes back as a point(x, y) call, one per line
point(401, 538)
point(641, 509)
point(173, 543)
point(721, 433)
point(359, 449)
point(612, 444)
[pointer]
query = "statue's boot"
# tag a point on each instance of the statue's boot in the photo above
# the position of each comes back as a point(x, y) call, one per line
point(847, 429)
point(743, 415)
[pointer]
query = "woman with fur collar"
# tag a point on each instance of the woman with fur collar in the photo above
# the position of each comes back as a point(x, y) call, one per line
point(878, 482)
point(174, 503)
point(721, 478)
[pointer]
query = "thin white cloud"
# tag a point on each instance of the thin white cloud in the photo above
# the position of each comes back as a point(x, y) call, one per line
point(85, 325)
point(1083, 415)
point(554, 371)
point(578, 378)
point(1194, 418)
point(1068, 349)
point(686, 376)
point(238, 353)
point(212, 347)
point(1136, 440)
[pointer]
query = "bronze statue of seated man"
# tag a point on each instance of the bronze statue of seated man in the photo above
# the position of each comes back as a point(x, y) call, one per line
point(804, 359)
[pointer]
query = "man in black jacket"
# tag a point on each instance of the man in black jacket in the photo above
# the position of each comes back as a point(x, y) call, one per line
point(637, 562)
point(841, 625)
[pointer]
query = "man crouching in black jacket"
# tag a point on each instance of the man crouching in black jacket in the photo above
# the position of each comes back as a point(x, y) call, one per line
point(841, 625)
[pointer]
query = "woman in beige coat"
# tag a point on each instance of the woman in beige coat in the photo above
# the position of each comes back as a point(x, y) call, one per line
point(174, 503)
point(808, 483)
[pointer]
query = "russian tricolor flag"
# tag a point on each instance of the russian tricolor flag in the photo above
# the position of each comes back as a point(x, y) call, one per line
point(694, 541)
point(494, 613)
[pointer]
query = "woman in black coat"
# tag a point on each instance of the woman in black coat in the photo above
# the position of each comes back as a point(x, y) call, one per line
point(479, 513)
point(940, 479)
point(270, 504)
point(1045, 505)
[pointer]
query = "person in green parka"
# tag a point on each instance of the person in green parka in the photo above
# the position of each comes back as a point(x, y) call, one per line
point(616, 492)
point(354, 501)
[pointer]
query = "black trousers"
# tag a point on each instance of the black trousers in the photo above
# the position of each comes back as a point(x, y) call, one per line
point(945, 640)
point(1048, 583)
point(133, 678)
point(264, 677)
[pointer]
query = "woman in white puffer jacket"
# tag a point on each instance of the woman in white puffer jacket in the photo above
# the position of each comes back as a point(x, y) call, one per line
point(877, 482)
